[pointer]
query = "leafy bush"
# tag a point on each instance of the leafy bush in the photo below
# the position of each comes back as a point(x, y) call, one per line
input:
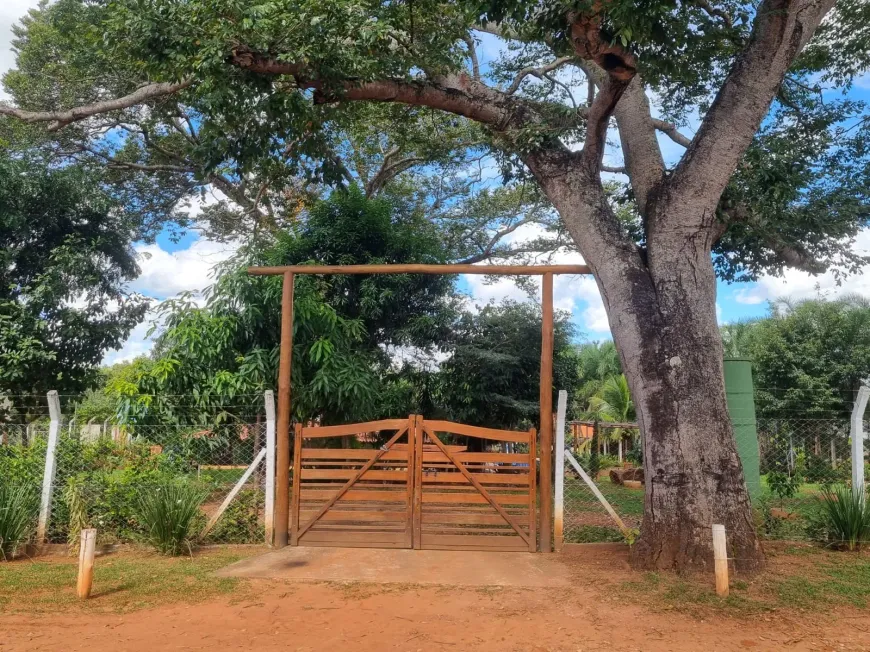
point(19, 506)
point(845, 517)
point(169, 514)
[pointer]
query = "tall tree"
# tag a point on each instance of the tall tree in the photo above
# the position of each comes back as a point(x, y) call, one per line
point(775, 175)
point(65, 258)
point(492, 375)
point(211, 363)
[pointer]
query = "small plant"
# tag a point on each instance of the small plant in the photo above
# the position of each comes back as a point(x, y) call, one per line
point(169, 512)
point(74, 497)
point(783, 485)
point(19, 505)
point(845, 517)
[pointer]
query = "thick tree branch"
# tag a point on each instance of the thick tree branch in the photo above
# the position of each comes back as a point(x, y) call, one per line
point(619, 67)
point(715, 12)
point(781, 29)
point(454, 93)
point(615, 169)
point(59, 119)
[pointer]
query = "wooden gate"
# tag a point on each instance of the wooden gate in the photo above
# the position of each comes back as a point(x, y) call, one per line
point(421, 489)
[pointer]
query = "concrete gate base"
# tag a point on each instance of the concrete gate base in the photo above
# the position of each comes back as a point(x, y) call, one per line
point(446, 567)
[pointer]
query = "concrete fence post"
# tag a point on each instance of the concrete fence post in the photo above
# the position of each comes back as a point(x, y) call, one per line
point(559, 511)
point(269, 398)
point(50, 465)
point(856, 432)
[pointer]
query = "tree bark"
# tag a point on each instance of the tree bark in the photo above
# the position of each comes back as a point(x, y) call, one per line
point(662, 312)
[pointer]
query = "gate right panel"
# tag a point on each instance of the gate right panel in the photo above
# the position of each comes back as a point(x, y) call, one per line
point(467, 500)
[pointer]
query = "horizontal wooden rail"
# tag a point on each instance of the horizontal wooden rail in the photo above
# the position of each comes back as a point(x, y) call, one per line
point(501, 270)
point(518, 436)
point(314, 432)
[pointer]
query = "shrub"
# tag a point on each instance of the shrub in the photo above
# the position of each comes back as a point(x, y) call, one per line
point(845, 516)
point(168, 511)
point(19, 506)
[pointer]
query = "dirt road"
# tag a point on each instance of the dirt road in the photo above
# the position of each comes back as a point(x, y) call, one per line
point(302, 617)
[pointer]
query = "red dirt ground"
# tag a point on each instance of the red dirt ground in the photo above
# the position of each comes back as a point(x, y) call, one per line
point(303, 617)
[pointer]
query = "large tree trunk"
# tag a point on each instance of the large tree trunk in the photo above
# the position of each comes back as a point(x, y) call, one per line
point(668, 339)
point(662, 312)
point(670, 349)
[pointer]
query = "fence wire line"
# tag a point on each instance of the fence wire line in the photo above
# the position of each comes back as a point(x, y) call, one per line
point(798, 458)
point(104, 470)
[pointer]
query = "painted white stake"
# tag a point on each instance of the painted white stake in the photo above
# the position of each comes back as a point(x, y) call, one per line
point(87, 549)
point(233, 492)
point(857, 435)
point(270, 466)
point(50, 465)
point(597, 492)
point(559, 511)
point(720, 560)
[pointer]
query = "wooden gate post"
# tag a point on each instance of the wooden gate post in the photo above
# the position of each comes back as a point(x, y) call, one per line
point(282, 443)
point(546, 430)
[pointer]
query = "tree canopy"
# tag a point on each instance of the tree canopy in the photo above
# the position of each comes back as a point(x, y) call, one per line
point(220, 357)
point(65, 259)
point(809, 357)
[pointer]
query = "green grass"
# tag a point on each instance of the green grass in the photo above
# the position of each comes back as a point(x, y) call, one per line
point(122, 582)
point(831, 580)
point(594, 534)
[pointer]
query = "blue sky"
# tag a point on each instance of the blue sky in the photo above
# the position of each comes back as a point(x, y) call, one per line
point(170, 267)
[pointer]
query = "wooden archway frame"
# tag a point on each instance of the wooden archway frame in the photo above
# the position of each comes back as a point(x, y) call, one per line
point(282, 475)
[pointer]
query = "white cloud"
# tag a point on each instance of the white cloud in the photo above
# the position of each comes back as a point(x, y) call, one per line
point(11, 12)
point(165, 274)
point(800, 285)
point(137, 344)
point(576, 294)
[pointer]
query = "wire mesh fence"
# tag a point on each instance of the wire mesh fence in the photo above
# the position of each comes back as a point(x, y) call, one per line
point(104, 471)
point(799, 460)
point(585, 519)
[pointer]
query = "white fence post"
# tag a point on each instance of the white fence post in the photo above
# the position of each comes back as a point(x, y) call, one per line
point(559, 511)
point(269, 397)
point(857, 435)
point(50, 464)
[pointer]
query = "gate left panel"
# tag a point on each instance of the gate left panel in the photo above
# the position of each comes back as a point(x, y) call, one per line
point(355, 485)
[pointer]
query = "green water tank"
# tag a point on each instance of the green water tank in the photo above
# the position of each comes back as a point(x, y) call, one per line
point(740, 394)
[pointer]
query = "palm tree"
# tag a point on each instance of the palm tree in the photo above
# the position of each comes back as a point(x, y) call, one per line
point(596, 362)
point(613, 403)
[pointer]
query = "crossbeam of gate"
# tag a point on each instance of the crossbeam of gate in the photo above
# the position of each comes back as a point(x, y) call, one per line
point(282, 479)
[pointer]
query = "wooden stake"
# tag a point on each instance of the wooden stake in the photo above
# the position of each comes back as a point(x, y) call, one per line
point(720, 559)
point(282, 436)
point(546, 424)
point(87, 549)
